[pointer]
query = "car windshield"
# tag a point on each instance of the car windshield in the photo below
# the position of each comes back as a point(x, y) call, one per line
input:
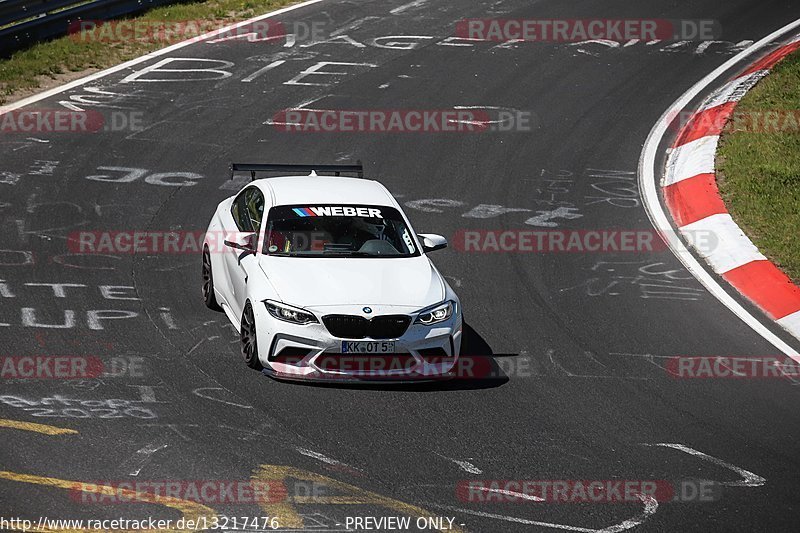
point(338, 231)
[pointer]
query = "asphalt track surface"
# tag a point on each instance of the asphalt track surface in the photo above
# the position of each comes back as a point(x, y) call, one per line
point(581, 337)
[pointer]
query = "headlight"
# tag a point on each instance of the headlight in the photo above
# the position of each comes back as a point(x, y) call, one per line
point(287, 313)
point(434, 315)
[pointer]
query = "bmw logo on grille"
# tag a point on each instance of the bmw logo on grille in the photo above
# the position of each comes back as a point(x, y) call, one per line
point(367, 310)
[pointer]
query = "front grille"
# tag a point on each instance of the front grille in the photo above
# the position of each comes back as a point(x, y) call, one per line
point(357, 327)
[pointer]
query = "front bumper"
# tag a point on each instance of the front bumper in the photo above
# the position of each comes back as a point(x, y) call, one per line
point(421, 353)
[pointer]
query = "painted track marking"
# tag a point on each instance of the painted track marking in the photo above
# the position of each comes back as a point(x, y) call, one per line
point(190, 510)
point(143, 457)
point(749, 479)
point(520, 495)
point(650, 507)
point(323, 458)
point(200, 393)
point(36, 428)
point(466, 466)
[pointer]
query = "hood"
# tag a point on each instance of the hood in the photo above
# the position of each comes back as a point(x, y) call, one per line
point(312, 282)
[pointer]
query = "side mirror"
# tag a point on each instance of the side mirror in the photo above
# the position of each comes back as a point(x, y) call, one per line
point(242, 241)
point(432, 242)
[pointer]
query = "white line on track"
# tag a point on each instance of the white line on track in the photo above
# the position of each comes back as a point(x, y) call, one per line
point(482, 122)
point(318, 456)
point(264, 69)
point(557, 366)
point(271, 122)
point(520, 495)
point(749, 479)
point(143, 457)
point(648, 182)
point(201, 393)
point(650, 507)
point(324, 458)
point(466, 466)
point(406, 7)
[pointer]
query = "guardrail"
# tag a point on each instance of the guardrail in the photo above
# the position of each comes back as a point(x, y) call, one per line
point(24, 22)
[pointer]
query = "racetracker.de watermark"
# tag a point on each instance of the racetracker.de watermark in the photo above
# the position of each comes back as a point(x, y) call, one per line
point(573, 241)
point(125, 242)
point(738, 367)
point(154, 242)
point(71, 367)
point(37, 121)
point(50, 367)
point(456, 120)
point(578, 30)
point(527, 491)
point(200, 491)
point(737, 121)
point(150, 524)
point(404, 367)
point(166, 32)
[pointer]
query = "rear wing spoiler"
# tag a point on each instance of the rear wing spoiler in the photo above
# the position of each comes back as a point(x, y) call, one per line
point(337, 170)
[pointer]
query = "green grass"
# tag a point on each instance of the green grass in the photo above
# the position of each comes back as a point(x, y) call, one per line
point(29, 69)
point(759, 173)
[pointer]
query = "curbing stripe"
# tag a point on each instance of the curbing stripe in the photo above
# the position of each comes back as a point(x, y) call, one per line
point(708, 122)
point(692, 198)
point(734, 90)
point(650, 172)
point(691, 159)
point(772, 59)
point(767, 286)
point(791, 323)
point(724, 245)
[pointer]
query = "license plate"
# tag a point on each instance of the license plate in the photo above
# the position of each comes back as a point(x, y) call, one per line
point(367, 346)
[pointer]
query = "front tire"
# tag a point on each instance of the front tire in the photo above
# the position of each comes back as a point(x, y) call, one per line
point(250, 339)
point(209, 297)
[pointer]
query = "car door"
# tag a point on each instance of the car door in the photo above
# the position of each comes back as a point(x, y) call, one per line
point(247, 211)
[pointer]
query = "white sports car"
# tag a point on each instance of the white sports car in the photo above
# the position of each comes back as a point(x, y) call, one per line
point(325, 279)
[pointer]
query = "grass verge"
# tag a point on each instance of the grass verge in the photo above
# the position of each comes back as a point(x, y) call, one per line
point(759, 171)
point(50, 63)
